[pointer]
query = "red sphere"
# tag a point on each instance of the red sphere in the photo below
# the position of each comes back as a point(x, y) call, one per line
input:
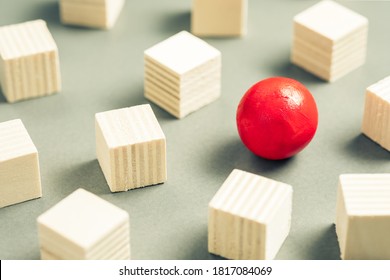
point(277, 118)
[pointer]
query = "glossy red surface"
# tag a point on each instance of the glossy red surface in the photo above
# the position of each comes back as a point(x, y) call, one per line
point(277, 118)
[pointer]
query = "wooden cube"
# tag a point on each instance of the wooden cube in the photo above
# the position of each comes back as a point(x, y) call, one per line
point(249, 217)
point(83, 226)
point(182, 74)
point(131, 148)
point(219, 17)
point(376, 115)
point(91, 13)
point(20, 179)
point(29, 63)
point(363, 216)
point(329, 40)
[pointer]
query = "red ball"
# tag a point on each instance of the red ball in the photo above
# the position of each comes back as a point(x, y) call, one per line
point(277, 118)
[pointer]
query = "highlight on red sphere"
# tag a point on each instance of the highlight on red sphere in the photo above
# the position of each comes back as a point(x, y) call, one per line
point(277, 118)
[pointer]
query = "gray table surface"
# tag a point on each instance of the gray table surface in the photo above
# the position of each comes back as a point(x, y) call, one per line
point(103, 70)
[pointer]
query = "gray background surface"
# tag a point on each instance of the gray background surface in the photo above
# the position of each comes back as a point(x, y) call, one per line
point(103, 70)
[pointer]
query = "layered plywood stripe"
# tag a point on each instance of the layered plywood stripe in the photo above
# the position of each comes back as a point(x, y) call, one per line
point(363, 216)
point(249, 217)
point(329, 40)
point(182, 74)
point(20, 178)
point(91, 13)
point(29, 63)
point(131, 148)
point(376, 124)
point(84, 226)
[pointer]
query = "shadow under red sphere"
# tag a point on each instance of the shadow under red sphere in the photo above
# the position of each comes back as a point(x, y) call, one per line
point(277, 118)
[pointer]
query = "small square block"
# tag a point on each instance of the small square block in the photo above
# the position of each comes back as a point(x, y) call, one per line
point(363, 216)
point(249, 217)
point(29, 63)
point(20, 179)
point(182, 74)
point(91, 13)
point(330, 21)
point(131, 148)
point(84, 226)
point(376, 115)
point(219, 17)
point(329, 40)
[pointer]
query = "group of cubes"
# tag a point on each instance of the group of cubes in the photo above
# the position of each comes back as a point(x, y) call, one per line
point(250, 215)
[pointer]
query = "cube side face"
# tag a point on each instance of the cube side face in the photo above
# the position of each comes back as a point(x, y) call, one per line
point(235, 237)
point(368, 238)
point(375, 123)
point(341, 221)
point(104, 155)
point(20, 180)
point(219, 17)
point(278, 226)
point(85, 14)
point(139, 165)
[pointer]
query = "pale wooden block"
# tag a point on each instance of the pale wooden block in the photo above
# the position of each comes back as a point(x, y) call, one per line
point(131, 148)
point(328, 35)
point(91, 13)
point(84, 226)
point(20, 178)
point(219, 17)
point(29, 63)
point(363, 216)
point(182, 74)
point(376, 115)
point(249, 217)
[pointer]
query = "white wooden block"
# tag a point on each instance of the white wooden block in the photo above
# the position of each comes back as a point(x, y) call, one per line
point(249, 217)
point(29, 63)
point(363, 216)
point(84, 226)
point(182, 74)
point(329, 40)
point(131, 148)
point(219, 17)
point(376, 115)
point(20, 179)
point(91, 13)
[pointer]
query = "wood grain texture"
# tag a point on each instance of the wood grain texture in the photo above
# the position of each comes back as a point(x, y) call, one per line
point(249, 217)
point(131, 148)
point(376, 117)
point(29, 62)
point(84, 226)
point(363, 216)
point(329, 40)
point(182, 74)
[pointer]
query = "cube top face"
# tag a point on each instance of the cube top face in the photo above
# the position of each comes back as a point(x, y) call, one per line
point(331, 20)
point(366, 194)
point(182, 52)
point(250, 196)
point(128, 126)
point(83, 218)
point(381, 89)
point(15, 140)
point(24, 39)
